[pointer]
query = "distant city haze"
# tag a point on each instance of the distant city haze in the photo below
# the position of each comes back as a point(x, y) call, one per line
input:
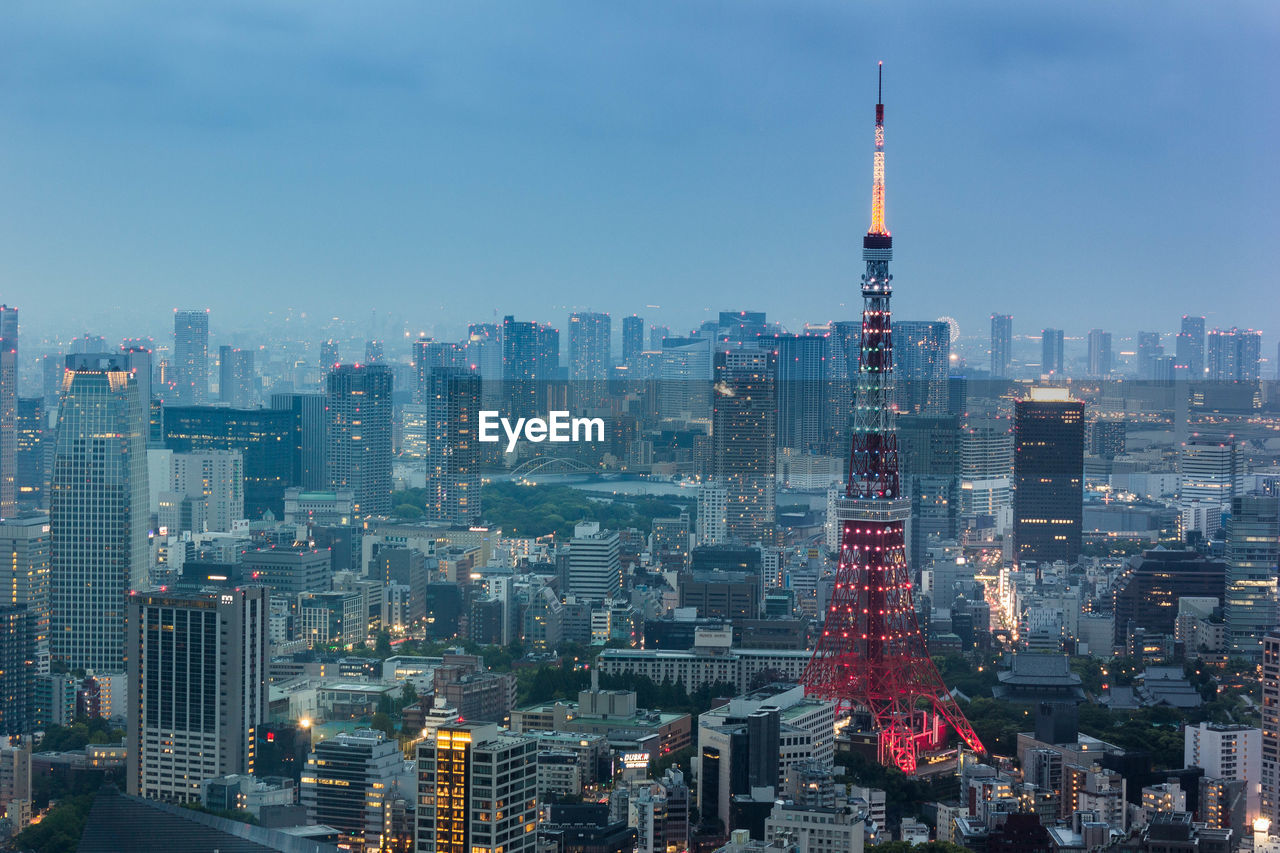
point(410, 167)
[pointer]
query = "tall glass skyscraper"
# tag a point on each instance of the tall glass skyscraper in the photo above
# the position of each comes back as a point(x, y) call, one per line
point(922, 360)
point(744, 433)
point(1253, 549)
point(98, 511)
point(1001, 345)
point(1048, 476)
point(453, 455)
point(359, 438)
point(190, 366)
point(590, 336)
point(8, 411)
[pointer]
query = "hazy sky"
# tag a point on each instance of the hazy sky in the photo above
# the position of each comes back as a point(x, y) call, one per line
point(1075, 164)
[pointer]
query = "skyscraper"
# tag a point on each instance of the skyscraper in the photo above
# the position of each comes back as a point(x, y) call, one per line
point(429, 354)
point(309, 426)
point(632, 338)
point(453, 453)
point(1234, 355)
point(1269, 790)
point(1253, 552)
point(348, 784)
point(530, 362)
point(684, 379)
point(98, 511)
point(1001, 345)
point(24, 576)
point(745, 436)
point(457, 770)
point(198, 689)
point(1210, 474)
point(359, 435)
point(590, 335)
point(236, 378)
point(929, 449)
point(1149, 350)
point(8, 411)
point(922, 356)
point(264, 437)
point(17, 671)
point(802, 402)
point(1099, 353)
point(986, 471)
point(1189, 348)
point(595, 567)
point(1048, 476)
point(1051, 363)
point(191, 357)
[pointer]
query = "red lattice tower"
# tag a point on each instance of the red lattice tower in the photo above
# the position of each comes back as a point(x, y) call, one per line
point(871, 655)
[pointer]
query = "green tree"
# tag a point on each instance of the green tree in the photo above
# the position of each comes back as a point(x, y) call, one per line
point(382, 646)
point(382, 722)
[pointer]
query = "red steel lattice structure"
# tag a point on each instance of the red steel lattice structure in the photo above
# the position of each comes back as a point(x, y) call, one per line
point(871, 656)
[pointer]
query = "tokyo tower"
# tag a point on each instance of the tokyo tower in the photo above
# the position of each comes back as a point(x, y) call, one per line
point(871, 657)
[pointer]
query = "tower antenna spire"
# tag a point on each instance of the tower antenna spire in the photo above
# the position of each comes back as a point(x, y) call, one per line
point(880, 83)
point(871, 657)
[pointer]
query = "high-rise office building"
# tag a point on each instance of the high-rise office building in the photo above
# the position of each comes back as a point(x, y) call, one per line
point(986, 471)
point(921, 363)
point(310, 424)
point(190, 365)
point(330, 353)
point(1001, 345)
point(477, 789)
point(1189, 348)
point(24, 576)
point(8, 411)
point(236, 377)
point(17, 671)
point(453, 405)
point(1051, 363)
point(1150, 349)
point(530, 362)
point(32, 453)
point(744, 433)
point(929, 456)
point(484, 355)
point(1100, 363)
point(684, 379)
point(98, 511)
point(198, 689)
point(595, 563)
point(1253, 552)
point(374, 352)
point(802, 389)
point(1234, 355)
point(1210, 474)
point(348, 784)
point(266, 439)
point(359, 437)
point(590, 336)
point(213, 478)
point(632, 338)
point(1048, 476)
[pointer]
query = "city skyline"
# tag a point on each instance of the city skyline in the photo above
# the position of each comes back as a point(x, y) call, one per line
point(478, 175)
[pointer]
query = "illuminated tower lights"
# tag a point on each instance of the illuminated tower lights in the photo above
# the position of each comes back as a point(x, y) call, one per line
point(871, 655)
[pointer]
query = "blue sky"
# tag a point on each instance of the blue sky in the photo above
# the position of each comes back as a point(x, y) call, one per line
point(1074, 164)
